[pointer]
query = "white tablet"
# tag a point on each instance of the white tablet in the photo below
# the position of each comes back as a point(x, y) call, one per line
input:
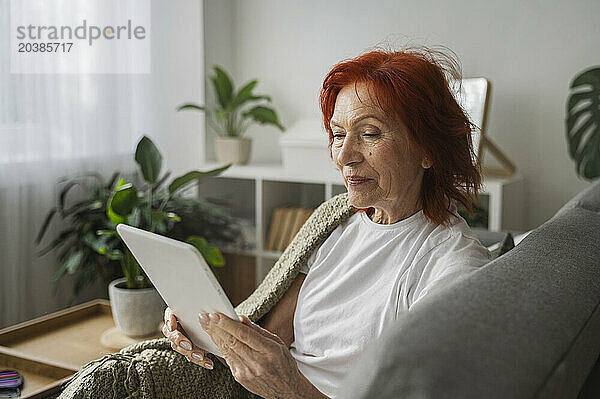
point(182, 278)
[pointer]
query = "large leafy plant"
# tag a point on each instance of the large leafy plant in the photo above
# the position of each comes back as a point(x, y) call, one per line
point(90, 247)
point(231, 118)
point(81, 218)
point(583, 123)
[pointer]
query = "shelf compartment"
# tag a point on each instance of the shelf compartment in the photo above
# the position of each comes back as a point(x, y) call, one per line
point(338, 189)
point(238, 277)
point(278, 194)
point(237, 194)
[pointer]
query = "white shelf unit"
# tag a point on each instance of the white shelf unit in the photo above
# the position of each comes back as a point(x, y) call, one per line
point(255, 190)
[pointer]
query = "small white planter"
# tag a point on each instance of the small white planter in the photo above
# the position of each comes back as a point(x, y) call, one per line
point(137, 312)
point(234, 150)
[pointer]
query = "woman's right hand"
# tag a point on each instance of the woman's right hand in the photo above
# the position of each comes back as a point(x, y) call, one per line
point(182, 344)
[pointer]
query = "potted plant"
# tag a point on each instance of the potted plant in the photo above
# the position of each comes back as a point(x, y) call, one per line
point(157, 207)
point(232, 119)
point(583, 123)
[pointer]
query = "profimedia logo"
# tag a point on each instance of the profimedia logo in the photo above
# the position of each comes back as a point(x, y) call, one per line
point(85, 32)
point(74, 36)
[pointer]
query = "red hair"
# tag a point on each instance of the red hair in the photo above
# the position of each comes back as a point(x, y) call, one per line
point(413, 85)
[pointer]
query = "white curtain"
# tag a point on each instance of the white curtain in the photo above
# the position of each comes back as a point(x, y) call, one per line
point(54, 126)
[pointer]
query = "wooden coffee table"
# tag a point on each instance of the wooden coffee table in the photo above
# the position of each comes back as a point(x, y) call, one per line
point(48, 350)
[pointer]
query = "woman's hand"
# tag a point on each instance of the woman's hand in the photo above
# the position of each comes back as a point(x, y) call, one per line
point(180, 343)
point(258, 359)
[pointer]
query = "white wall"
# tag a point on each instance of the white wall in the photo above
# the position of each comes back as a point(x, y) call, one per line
point(529, 50)
point(177, 77)
point(218, 50)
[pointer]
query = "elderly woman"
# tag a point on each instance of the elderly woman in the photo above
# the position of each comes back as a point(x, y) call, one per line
point(403, 147)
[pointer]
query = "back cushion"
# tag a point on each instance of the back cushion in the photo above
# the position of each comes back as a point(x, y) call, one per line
point(502, 331)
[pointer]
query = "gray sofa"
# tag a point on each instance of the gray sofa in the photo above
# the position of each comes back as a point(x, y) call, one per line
point(526, 325)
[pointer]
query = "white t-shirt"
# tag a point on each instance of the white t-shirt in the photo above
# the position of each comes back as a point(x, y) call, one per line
point(363, 277)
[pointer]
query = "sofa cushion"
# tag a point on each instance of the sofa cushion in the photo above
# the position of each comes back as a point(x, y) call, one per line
point(507, 330)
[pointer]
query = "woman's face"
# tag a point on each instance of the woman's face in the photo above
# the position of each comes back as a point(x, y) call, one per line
point(374, 146)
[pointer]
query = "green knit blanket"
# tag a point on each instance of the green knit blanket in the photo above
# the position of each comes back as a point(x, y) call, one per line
point(151, 369)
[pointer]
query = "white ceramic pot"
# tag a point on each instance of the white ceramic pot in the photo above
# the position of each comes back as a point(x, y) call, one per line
point(234, 150)
point(137, 312)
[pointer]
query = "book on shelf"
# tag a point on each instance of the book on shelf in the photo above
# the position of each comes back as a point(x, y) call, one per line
point(285, 223)
point(274, 229)
point(301, 214)
point(298, 216)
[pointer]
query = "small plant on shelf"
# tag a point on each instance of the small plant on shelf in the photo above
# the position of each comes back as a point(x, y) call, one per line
point(231, 117)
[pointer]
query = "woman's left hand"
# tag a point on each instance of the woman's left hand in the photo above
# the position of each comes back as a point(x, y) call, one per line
point(258, 359)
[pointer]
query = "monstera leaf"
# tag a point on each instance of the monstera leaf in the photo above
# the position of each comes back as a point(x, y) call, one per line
point(583, 123)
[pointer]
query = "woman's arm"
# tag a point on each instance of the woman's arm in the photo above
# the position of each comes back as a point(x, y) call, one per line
point(280, 319)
